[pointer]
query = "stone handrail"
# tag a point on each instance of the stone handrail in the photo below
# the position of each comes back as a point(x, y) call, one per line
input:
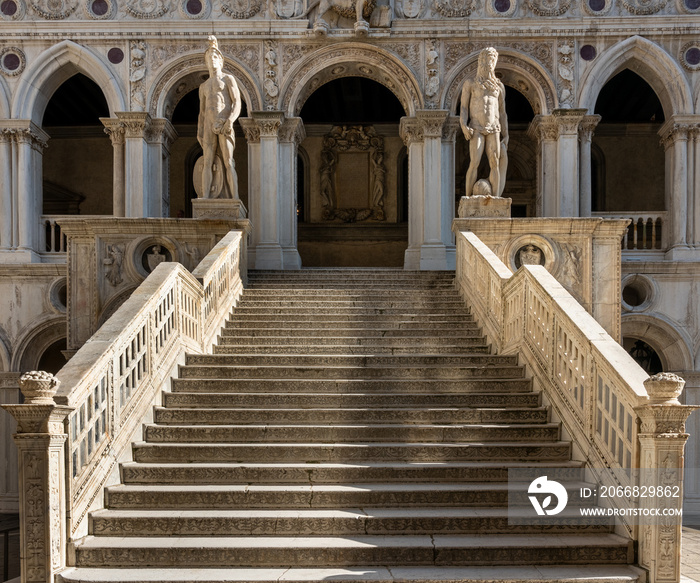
point(595, 389)
point(74, 429)
point(646, 231)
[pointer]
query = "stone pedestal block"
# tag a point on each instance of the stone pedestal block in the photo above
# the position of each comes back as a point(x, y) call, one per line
point(215, 208)
point(484, 206)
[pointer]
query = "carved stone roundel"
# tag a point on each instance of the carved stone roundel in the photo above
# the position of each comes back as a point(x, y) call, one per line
point(54, 9)
point(642, 7)
point(549, 7)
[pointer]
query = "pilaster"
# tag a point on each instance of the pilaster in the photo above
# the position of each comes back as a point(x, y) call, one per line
point(137, 182)
point(161, 136)
point(411, 131)
point(568, 121)
point(6, 209)
point(252, 135)
point(291, 134)
point(115, 129)
point(585, 136)
point(40, 440)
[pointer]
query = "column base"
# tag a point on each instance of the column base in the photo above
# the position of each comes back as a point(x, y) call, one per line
point(17, 256)
point(411, 259)
point(218, 208)
point(291, 258)
point(484, 206)
point(683, 253)
point(433, 257)
point(269, 256)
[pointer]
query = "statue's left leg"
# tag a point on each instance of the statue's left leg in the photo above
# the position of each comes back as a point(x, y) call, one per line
point(359, 10)
point(503, 168)
point(226, 145)
point(493, 151)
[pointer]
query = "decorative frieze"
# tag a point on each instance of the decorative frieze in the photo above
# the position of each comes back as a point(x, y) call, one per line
point(53, 9)
point(137, 74)
point(270, 83)
point(549, 7)
point(565, 73)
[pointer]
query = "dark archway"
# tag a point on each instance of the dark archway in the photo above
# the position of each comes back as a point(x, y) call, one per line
point(186, 150)
point(77, 165)
point(629, 164)
point(354, 214)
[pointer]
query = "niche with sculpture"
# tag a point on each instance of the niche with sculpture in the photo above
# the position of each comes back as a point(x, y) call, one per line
point(352, 175)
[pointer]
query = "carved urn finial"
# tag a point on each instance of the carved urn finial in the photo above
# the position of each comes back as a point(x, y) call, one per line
point(664, 388)
point(38, 387)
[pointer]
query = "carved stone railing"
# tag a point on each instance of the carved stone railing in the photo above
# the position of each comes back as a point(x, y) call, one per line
point(594, 388)
point(106, 392)
point(646, 232)
point(51, 238)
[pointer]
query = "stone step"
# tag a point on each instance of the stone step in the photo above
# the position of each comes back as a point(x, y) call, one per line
point(349, 434)
point(365, 303)
point(350, 311)
point(422, 361)
point(336, 319)
point(321, 371)
point(325, 496)
point(370, 342)
point(353, 331)
point(305, 415)
point(331, 284)
point(351, 400)
point(362, 550)
point(345, 522)
point(229, 347)
point(368, 293)
point(358, 451)
point(363, 574)
point(325, 473)
point(354, 386)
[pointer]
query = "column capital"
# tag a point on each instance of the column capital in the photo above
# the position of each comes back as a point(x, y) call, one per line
point(543, 128)
point(432, 121)
point(23, 131)
point(587, 127)
point(115, 129)
point(250, 129)
point(268, 122)
point(450, 129)
point(410, 130)
point(161, 131)
point(568, 120)
point(136, 123)
point(678, 127)
point(292, 130)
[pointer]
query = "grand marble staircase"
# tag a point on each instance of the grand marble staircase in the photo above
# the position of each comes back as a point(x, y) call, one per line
point(350, 425)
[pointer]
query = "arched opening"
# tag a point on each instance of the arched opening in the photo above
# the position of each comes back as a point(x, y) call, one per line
point(628, 163)
point(52, 359)
point(644, 355)
point(77, 165)
point(185, 152)
point(520, 177)
point(354, 214)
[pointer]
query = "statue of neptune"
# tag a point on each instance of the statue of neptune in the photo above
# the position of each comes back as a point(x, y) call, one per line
point(485, 124)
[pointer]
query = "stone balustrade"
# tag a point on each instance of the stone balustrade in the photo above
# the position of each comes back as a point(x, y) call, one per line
point(70, 444)
point(646, 231)
point(621, 422)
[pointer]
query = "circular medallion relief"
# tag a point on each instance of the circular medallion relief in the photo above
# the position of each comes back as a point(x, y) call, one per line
point(100, 9)
point(115, 55)
point(689, 6)
point(12, 61)
point(690, 56)
point(11, 9)
point(596, 7)
point(501, 7)
point(194, 9)
point(588, 52)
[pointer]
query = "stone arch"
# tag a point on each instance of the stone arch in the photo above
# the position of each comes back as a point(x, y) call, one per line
point(651, 63)
point(54, 66)
point(187, 74)
point(349, 60)
point(35, 341)
point(518, 71)
point(670, 343)
point(4, 100)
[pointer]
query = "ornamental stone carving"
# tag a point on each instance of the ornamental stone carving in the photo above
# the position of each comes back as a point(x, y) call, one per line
point(432, 73)
point(147, 9)
point(410, 8)
point(113, 262)
point(270, 82)
point(15, 56)
point(137, 75)
point(330, 10)
point(454, 8)
point(549, 7)
point(565, 74)
point(352, 140)
point(54, 9)
point(642, 7)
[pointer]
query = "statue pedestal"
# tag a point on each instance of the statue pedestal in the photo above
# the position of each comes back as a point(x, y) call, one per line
point(484, 206)
point(218, 208)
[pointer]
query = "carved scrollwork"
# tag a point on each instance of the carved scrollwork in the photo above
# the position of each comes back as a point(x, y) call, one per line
point(642, 7)
point(454, 8)
point(352, 138)
point(549, 7)
point(241, 9)
point(147, 9)
point(54, 9)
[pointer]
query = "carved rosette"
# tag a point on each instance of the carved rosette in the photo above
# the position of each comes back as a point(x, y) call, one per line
point(454, 8)
point(147, 9)
point(549, 7)
point(641, 7)
point(54, 9)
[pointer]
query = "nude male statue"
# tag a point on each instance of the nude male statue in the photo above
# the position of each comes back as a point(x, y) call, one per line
point(484, 122)
point(219, 107)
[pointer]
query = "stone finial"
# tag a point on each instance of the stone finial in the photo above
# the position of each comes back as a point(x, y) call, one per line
point(664, 388)
point(38, 387)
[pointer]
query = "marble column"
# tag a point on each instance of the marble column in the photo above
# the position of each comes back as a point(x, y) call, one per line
point(544, 131)
point(268, 250)
point(674, 137)
point(138, 183)
point(449, 134)
point(411, 131)
point(6, 210)
point(433, 252)
point(252, 136)
point(161, 136)
point(568, 121)
point(291, 134)
point(585, 136)
point(115, 130)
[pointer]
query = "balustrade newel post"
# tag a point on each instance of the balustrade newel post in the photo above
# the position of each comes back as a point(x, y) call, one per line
point(40, 440)
point(662, 438)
